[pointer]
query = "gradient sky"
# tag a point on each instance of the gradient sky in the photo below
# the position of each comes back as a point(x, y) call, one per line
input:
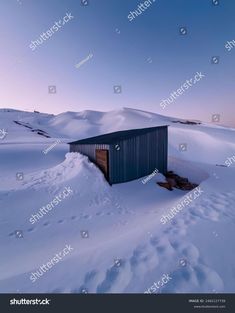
point(120, 51)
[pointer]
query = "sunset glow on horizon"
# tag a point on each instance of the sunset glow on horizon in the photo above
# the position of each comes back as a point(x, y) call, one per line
point(147, 57)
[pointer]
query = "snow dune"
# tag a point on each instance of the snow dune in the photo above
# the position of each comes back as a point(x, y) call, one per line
point(122, 221)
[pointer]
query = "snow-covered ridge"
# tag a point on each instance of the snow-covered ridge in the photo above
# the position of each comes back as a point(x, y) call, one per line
point(206, 138)
point(127, 247)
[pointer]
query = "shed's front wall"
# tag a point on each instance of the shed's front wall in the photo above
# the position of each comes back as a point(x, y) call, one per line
point(88, 150)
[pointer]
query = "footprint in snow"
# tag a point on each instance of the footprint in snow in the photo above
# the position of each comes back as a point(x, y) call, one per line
point(109, 213)
point(87, 216)
point(110, 279)
point(30, 229)
point(99, 214)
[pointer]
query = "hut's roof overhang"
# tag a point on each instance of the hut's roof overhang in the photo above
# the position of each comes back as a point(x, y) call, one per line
point(112, 138)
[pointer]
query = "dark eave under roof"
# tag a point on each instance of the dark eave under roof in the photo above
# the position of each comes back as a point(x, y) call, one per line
point(112, 138)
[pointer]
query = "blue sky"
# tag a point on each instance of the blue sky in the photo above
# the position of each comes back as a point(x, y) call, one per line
point(121, 50)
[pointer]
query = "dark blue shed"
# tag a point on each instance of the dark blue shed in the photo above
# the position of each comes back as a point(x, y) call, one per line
point(127, 155)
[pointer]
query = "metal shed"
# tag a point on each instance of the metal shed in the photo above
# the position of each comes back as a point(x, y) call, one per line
point(127, 155)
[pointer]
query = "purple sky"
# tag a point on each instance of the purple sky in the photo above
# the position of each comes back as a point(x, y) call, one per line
point(147, 57)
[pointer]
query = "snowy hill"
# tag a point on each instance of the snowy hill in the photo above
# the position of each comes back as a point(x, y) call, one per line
point(119, 242)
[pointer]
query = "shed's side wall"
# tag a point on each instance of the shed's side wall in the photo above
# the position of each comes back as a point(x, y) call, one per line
point(139, 156)
point(88, 150)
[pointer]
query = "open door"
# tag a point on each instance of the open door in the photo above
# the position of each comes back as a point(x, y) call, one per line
point(102, 161)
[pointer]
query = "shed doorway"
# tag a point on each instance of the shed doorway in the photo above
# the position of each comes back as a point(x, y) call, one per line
point(102, 161)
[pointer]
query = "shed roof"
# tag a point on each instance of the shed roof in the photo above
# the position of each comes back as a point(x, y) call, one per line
point(112, 138)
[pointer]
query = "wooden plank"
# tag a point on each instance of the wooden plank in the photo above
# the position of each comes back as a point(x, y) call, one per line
point(102, 160)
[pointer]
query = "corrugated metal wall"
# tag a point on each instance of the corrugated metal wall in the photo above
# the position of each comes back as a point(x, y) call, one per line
point(139, 156)
point(88, 150)
point(132, 158)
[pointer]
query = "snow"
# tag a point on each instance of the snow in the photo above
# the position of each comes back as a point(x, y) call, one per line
point(122, 221)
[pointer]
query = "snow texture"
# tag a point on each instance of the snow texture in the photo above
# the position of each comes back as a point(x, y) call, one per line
point(127, 248)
